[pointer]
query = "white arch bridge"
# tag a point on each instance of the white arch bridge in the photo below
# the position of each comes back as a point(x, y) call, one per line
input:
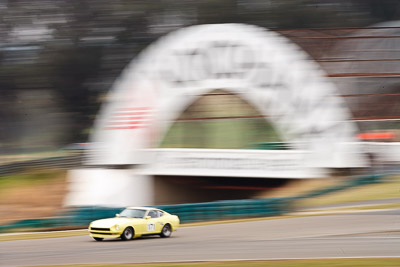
point(261, 67)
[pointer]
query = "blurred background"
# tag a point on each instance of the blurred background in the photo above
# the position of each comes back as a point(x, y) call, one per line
point(59, 58)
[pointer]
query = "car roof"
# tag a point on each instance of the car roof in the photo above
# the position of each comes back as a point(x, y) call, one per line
point(142, 208)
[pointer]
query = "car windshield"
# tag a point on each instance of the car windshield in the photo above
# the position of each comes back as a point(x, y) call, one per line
point(132, 213)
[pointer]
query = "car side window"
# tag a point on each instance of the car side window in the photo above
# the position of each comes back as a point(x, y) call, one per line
point(153, 214)
point(160, 213)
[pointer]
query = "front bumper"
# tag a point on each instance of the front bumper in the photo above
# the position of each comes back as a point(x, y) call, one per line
point(104, 233)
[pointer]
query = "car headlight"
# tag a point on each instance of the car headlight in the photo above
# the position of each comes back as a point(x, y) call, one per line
point(117, 227)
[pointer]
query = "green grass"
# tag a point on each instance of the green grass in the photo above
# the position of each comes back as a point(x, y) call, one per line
point(362, 208)
point(373, 262)
point(28, 178)
point(17, 157)
point(386, 190)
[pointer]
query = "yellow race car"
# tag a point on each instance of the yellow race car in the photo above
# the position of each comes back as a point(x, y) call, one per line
point(134, 222)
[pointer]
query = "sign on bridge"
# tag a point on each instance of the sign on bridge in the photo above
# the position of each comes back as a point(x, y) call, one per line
point(232, 163)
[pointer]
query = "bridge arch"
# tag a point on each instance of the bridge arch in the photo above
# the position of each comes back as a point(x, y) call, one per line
point(262, 67)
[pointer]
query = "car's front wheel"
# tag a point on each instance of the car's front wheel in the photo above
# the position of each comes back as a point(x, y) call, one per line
point(98, 238)
point(166, 231)
point(127, 234)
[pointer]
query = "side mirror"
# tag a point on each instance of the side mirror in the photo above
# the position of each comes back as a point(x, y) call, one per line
point(117, 215)
point(147, 217)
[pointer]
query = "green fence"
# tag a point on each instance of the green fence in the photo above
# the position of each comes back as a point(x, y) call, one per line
point(195, 212)
point(32, 224)
point(270, 146)
point(192, 212)
point(230, 209)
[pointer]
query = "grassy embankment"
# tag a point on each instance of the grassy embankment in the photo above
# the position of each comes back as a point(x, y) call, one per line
point(388, 189)
point(31, 195)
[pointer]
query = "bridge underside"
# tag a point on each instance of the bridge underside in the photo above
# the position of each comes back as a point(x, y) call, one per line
point(125, 187)
point(189, 189)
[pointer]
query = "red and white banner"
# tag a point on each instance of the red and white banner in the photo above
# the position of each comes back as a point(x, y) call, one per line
point(130, 118)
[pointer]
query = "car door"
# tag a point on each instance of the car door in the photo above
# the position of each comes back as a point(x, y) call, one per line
point(153, 224)
point(140, 226)
point(160, 221)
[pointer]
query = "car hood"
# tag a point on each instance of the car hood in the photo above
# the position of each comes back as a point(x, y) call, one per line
point(107, 223)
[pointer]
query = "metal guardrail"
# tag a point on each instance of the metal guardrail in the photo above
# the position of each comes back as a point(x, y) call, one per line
point(46, 163)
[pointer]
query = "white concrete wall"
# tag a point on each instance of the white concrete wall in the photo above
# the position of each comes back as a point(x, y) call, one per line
point(388, 152)
point(108, 188)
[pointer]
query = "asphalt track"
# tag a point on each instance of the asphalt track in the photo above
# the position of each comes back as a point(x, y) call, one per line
point(365, 234)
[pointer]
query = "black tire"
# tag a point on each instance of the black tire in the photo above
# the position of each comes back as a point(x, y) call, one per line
point(166, 231)
point(127, 234)
point(98, 238)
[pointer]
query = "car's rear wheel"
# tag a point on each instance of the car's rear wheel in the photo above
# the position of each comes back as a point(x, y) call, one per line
point(127, 234)
point(98, 238)
point(166, 231)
